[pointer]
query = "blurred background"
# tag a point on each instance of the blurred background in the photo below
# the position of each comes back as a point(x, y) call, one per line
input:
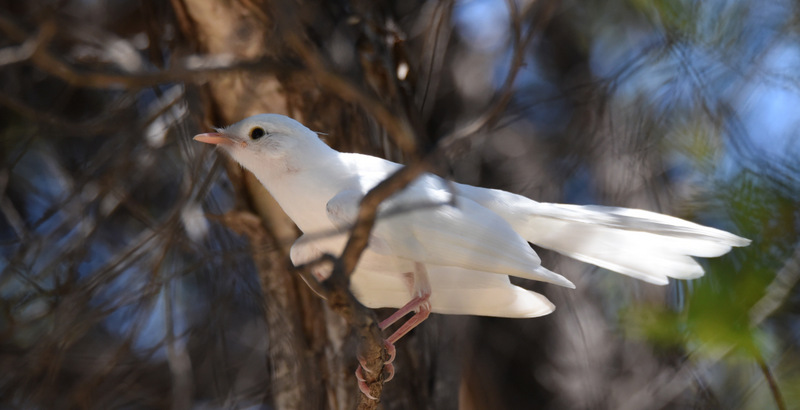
point(139, 269)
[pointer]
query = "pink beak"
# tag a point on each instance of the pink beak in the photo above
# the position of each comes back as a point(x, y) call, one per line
point(214, 138)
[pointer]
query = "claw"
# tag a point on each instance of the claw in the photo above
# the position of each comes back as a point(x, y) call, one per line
point(360, 375)
point(389, 368)
point(419, 304)
point(362, 384)
point(363, 363)
point(389, 349)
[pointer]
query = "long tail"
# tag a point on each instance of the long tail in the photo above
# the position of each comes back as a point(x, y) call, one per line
point(642, 244)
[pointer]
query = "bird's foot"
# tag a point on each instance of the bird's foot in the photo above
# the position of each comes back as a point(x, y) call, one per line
point(388, 367)
point(362, 383)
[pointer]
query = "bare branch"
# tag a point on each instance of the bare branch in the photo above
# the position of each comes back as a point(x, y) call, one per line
point(398, 128)
point(492, 113)
point(15, 54)
point(192, 69)
point(777, 291)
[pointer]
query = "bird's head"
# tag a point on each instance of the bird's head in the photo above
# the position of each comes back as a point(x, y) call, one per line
point(268, 140)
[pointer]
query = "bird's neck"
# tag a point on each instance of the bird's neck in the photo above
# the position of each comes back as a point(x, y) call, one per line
point(303, 187)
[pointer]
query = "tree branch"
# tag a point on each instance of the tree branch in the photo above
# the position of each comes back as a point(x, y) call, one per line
point(191, 69)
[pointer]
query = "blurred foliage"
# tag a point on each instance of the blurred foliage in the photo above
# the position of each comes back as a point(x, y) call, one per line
point(717, 317)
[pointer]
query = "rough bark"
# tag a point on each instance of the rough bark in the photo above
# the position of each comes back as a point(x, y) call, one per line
point(310, 351)
point(293, 315)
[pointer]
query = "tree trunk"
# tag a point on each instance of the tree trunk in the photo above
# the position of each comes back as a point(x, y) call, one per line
point(311, 356)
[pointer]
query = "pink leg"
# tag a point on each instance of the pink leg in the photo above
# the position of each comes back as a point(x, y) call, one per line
point(420, 286)
point(410, 306)
point(423, 309)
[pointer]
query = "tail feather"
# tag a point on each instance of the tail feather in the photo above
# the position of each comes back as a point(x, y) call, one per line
point(646, 245)
point(642, 244)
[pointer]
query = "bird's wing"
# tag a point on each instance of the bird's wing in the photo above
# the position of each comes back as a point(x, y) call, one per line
point(303, 251)
point(424, 225)
point(642, 244)
point(646, 245)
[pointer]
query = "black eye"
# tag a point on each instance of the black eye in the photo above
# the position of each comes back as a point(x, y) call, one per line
point(257, 133)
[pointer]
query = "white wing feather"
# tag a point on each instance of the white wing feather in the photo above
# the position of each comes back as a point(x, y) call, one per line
point(418, 224)
point(642, 244)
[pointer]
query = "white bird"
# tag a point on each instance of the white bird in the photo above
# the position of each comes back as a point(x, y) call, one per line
point(445, 247)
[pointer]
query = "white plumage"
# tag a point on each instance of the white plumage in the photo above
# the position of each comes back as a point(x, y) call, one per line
point(456, 242)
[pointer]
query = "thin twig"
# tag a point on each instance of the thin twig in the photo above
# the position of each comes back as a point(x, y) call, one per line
point(771, 382)
point(498, 106)
point(336, 288)
point(778, 291)
point(192, 69)
point(399, 129)
point(368, 211)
